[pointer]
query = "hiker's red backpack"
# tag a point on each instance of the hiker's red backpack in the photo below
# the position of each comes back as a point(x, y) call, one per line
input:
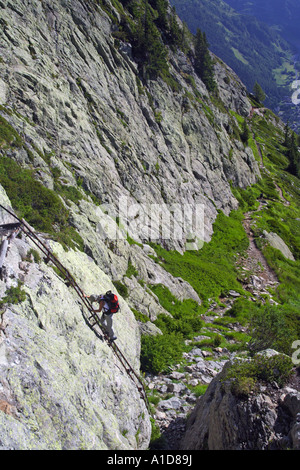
point(112, 301)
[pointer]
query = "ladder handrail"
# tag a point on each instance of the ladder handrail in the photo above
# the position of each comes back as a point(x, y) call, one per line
point(26, 229)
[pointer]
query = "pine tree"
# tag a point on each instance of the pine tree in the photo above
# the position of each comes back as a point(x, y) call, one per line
point(175, 30)
point(203, 61)
point(259, 94)
point(148, 45)
point(199, 52)
point(294, 157)
point(161, 6)
point(246, 133)
point(287, 137)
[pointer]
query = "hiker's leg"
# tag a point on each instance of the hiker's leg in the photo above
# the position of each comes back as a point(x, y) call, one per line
point(3, 250)
point(103, 321)
point(106, 321)
point(109, 323)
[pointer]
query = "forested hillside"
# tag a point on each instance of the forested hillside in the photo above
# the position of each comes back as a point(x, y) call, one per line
point(282, 14)
point(256, 52)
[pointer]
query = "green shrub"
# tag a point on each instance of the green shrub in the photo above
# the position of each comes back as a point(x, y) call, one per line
point(154, 399)
point(217, 340)
point(157, 441)
point(159, 352)
point(185, 314)
point(247, 197)
point(242, 309)
point(268, 188)
point(68, 192)
point(39, 206)
point(8, 135)
point(244, 375)
point(199, 390)
point(35, 254)
point(140, 316)
point(272, 327)
point(13, 295)
point(243, 386)
point(131, 270)
point(121, 288)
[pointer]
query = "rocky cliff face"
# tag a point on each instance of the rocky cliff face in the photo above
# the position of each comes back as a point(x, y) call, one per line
point(78, 100)
point(265, 420)
point(75, 98)
point(73, 95)
point(61, 387)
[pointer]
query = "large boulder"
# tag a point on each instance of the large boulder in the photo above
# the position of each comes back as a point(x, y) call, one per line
point(262, 420)
point(276, 242)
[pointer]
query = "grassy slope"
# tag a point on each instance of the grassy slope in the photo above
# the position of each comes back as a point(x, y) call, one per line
point(212, 271)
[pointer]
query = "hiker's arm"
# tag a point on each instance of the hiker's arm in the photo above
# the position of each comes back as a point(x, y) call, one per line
point(100, 306)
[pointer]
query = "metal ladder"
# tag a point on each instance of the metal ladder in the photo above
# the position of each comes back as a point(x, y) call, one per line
point(93, 320)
